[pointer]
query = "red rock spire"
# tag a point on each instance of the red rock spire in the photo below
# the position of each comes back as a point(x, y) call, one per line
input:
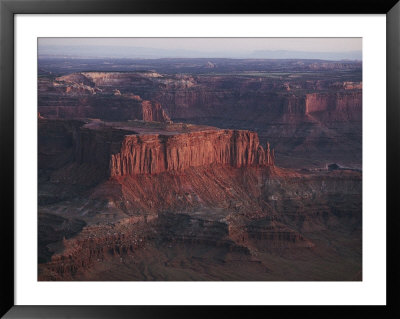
point(270, 155)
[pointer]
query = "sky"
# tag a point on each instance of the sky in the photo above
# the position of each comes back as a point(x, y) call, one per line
point(345, 48)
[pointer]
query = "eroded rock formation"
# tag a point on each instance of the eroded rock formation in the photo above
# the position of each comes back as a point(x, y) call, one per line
point(125, 152)
point(149, 154)
point(183, 189)
point(251, 212)
point(301, 113)
point(77, 96)
point(340, 106)
point(125, 194)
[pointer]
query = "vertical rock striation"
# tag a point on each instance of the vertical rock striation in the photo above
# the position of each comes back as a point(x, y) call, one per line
point(150, 154)
point(153, 112)
point(348, 104)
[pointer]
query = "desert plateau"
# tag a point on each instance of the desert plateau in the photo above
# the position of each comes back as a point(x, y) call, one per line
point(199, 169)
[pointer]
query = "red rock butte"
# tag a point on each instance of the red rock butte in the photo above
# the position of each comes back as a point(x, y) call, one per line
point(129, 148)
point(149, 154)
point(162, 170)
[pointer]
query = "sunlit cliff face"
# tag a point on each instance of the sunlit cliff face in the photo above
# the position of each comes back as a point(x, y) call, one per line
point(199, 169)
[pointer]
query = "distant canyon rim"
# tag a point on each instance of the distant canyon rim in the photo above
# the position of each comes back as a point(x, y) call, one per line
point(199, 169)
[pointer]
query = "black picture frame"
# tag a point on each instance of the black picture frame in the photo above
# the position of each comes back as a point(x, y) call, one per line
point(8, 8)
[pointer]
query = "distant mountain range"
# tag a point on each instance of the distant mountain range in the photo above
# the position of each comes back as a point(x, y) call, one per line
point(153, 53)
point(284, 54)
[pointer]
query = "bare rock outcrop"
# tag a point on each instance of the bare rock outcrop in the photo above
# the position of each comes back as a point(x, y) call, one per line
point(149, 154)
point(115, 151)
point(343, 106)
point(153, 112)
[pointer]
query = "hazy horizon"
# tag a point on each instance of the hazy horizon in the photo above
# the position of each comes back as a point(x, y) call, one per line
point(248, 48)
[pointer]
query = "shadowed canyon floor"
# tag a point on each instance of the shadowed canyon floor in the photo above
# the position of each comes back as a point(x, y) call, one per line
point(175, 173)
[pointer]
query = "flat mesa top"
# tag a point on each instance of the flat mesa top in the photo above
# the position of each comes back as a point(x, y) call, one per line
point(149, 128)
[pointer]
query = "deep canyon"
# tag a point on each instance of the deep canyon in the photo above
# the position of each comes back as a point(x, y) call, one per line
point(198, 169)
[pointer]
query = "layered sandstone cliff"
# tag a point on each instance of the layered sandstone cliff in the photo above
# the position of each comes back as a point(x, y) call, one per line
point(301, 114)
point(77, 96)
point(120, 151)
point(152, 111)
point(149, 154)
point(343, 106)
point(191, 97)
